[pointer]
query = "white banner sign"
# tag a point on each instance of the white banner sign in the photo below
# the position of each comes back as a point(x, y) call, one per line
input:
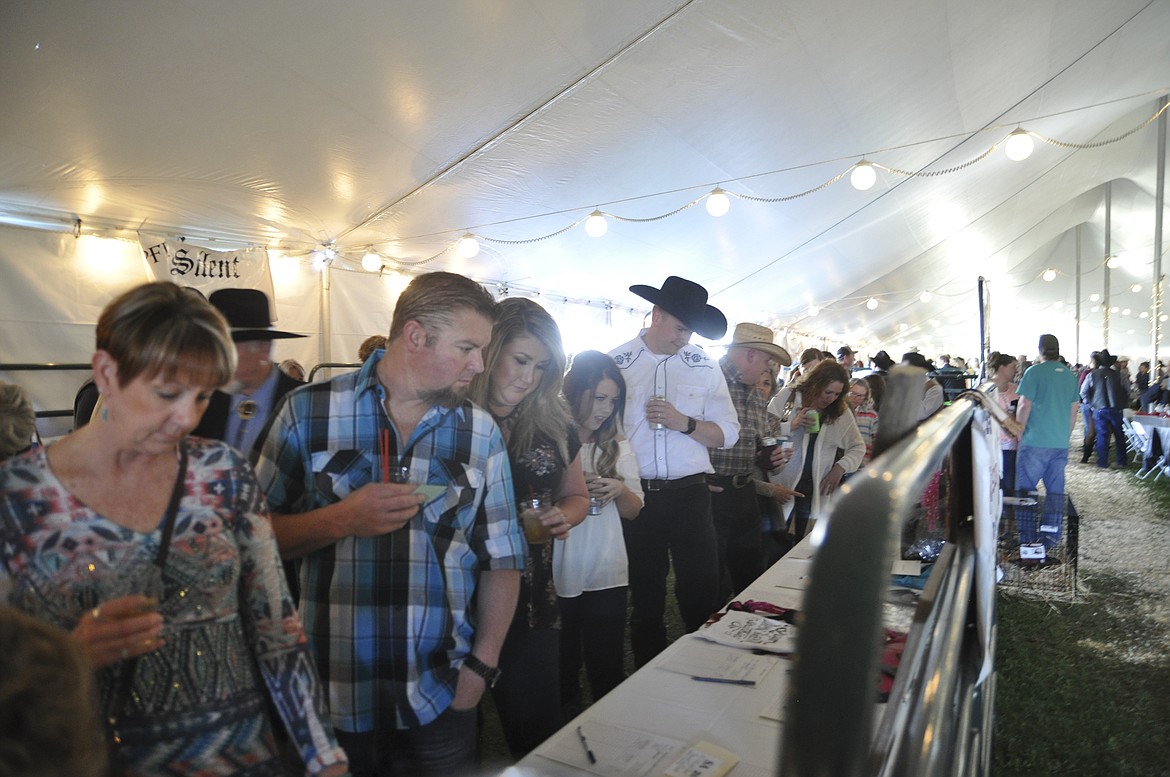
point(204, 269)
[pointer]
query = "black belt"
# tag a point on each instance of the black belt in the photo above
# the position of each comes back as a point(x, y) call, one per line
point(668, 485)
point(735, 481)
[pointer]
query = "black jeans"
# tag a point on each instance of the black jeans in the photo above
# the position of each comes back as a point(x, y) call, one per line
point(593, 632)
point(445, 746)
point(528, 694)
point(736, 512)
point(674, 527)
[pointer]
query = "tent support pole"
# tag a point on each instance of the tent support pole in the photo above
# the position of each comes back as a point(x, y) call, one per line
point(1159, 198)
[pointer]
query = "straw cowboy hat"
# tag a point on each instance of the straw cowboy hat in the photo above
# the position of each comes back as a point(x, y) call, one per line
point(247, 313)
point(759, 338)
point(686, 301)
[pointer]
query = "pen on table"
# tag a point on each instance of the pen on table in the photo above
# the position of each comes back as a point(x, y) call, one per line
point(585, 744)
point(724, 680)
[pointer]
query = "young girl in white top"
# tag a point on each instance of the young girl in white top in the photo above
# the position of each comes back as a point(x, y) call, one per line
point(590, 568)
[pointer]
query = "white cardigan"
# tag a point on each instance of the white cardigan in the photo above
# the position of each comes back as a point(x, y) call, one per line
point(840, 433)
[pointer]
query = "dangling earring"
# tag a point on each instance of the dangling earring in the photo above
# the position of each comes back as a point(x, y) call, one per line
point(105, 414)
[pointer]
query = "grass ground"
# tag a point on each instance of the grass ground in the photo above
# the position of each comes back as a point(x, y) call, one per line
point(1084, 688)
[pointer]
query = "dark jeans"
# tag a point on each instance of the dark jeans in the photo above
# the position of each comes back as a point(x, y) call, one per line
point(1008, 481)
point(445, 746)
point(1090, 439)
point(593, 632)
point(801, 510)
point(528, 694)
point(1108, 420)
point(675, 526)
point(736, 512)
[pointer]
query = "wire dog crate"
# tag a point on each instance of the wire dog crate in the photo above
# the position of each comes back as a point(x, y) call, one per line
point(1038, 545)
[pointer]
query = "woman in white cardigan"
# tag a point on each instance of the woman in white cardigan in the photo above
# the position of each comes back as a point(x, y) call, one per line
point(826, 446)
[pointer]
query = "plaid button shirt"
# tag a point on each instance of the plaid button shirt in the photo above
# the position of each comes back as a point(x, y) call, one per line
point(753, 425)
point(387, 616)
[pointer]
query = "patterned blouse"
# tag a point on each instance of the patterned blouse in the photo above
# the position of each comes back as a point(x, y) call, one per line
point(538, 471)
point(232, 637)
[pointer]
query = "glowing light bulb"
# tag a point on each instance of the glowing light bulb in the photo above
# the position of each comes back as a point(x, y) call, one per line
point(1135, 288)
point(1019, 145)
point(871, 303)
point(718, 202)
point(1095, 309)
point(1125, 311)
point(468, 246)
point(863, 176)
point(371, 262)
point(1094, 297)
point(596, 225)
point(813, 310)
point(925, 296)
point(1113, 262)
point(1049, 274)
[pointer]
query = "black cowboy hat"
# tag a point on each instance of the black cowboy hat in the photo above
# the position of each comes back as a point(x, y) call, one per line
point(246, 311)
point(1106, 359)
point(686, 301)
point(882, 360)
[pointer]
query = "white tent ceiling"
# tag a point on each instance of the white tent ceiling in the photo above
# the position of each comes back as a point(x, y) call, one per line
point(402, 125)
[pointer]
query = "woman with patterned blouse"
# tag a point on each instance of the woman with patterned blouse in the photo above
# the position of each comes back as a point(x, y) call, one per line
point(190, 658)
point(521, 385)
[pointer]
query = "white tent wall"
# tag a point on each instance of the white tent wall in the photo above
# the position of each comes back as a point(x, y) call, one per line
point(55, 286)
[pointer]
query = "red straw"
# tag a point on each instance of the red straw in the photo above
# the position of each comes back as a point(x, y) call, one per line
point(385, 455)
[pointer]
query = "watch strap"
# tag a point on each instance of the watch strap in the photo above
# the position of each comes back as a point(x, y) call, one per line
point(692, 424)
point(490, 674)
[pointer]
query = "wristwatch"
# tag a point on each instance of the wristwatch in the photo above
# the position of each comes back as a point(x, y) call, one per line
point(490, 674)
point(692, 424)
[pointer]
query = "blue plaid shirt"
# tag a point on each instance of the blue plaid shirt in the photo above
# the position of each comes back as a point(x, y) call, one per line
point(390, 618)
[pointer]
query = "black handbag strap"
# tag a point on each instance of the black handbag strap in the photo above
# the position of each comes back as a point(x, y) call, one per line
point(126, 671)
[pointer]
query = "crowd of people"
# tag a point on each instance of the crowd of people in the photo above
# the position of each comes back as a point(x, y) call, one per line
point(248, 574)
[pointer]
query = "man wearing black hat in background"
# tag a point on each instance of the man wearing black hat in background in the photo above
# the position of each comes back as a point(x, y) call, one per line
point(881, 363)
point(238, 412)
point(1104, 392)
point(678, 406)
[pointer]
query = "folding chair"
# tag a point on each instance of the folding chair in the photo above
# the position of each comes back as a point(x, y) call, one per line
point(1136, 439)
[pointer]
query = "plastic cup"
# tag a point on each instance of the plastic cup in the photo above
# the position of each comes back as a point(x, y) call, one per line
point(815, 418)
point(530, 512)
point(595, 504)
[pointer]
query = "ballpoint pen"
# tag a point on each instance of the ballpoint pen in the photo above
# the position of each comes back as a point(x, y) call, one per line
point(585, 744)
point(724, 680)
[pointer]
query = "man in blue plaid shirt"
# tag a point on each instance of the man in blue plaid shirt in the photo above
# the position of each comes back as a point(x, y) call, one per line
point(406, 596)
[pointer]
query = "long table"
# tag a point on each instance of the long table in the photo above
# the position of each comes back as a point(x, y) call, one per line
point(660, 711)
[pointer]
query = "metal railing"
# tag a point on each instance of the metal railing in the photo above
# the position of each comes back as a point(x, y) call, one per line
point(937, 720)
point(44, 367)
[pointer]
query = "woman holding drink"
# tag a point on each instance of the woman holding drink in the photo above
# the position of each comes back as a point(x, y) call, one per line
point(524, 367)
point(822, 428)
point(1002, 369)
point(155, 552)
point(590, 568)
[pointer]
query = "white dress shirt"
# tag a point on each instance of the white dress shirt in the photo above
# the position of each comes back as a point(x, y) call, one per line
point(691, 381)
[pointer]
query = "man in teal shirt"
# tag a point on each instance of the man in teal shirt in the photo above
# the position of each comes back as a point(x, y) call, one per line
point(1048, 404)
